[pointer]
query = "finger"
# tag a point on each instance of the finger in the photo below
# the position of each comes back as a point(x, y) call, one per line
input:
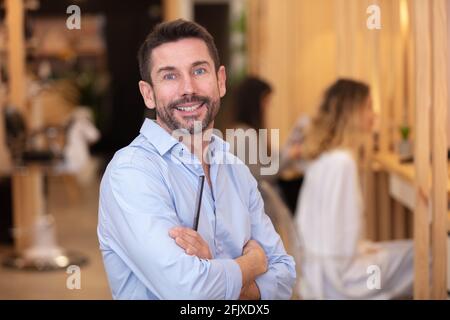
point(192, 251)
point(185, 245)
point(173, 232)
point(193, 239)
point(190, 232)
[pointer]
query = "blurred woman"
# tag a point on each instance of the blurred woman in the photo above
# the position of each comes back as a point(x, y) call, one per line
point(251, 100)
point(335, 262)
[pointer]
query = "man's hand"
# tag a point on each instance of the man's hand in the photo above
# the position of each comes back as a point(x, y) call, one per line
point(253, 249)
point(253, 262)
point(250, 292)
point(191, 241)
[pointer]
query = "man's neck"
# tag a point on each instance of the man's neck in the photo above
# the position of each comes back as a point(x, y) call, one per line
point(196, 143)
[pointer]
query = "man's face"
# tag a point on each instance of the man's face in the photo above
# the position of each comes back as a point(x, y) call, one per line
point(186, 87)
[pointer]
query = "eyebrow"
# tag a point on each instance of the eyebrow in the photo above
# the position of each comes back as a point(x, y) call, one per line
point(172, 68)
point(197, 63)
point(167, 68)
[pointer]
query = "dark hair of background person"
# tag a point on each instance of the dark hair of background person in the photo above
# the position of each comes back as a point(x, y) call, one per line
point(248, 96)
point(169, 32)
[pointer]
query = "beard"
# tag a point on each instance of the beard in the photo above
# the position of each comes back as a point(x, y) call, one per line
point(166, 114)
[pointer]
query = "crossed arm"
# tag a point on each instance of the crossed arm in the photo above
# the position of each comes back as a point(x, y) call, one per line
point(252, 263)
point(134, 214)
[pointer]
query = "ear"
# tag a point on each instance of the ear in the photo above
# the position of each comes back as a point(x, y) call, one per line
point(147, 93)
point(222, 81)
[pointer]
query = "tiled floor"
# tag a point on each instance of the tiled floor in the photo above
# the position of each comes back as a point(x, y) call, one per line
point(76, 222)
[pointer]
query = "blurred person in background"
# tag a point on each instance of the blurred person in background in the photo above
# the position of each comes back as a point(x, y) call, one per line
point(329, 218)
point(251, 99)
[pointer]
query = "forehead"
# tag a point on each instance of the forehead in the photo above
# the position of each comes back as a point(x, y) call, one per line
point(180, 53)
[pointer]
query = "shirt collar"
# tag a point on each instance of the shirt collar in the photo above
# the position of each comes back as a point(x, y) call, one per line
point(157, 136)
point(163, 141)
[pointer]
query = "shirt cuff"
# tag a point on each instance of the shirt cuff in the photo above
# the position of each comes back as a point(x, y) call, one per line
point(267, 285)
point(233, 277)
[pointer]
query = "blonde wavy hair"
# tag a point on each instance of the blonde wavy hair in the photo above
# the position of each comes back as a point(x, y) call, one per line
point(337, 123)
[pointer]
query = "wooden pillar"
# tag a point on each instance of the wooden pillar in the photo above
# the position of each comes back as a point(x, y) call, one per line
point(170, 10)
point(369, 188)
point(175, 9)
point(16, 53)
point(422, 149)
point(384, 207)
point(26, 183)
point(256, 34)
point(5, 158)
point(439, 150)
point(28, 203)
point(399, 221)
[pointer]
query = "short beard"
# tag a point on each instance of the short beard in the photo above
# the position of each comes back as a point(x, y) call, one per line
point(166, 114)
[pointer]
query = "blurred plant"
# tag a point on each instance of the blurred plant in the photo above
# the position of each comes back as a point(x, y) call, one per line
point(404, 132)
point(238, 29)
point(92, 86)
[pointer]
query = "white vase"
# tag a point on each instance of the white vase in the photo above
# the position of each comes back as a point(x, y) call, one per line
point(405, 150)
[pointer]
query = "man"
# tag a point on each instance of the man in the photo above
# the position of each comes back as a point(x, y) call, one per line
point(147, 195)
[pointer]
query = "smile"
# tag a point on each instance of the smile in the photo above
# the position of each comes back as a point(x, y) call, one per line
point(190, 108)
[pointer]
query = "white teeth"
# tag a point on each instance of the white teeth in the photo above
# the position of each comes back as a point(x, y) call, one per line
point(189, 109)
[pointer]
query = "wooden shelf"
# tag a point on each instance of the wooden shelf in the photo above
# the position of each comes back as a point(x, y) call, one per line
point(390, 162)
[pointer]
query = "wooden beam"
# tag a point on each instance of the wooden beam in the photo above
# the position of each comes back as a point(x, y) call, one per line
point(28, 199)
point(28, 203)
point(384, 207)
point(399, 221)
point(422, 149)
point(16, 52)
point(439, 150)
point(369, 177)
point(5, 157)
point(170, 9)
point(175, 9)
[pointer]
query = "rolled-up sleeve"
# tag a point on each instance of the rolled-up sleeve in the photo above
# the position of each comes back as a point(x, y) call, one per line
point(138, 212)
point(278, 281)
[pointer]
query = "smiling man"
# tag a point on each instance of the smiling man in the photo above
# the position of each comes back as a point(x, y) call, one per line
point(147, 195)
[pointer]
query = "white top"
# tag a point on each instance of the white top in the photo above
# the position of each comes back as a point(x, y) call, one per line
point(331, 200)
point(335, 262)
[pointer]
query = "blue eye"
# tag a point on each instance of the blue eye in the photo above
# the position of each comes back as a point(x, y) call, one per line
point(169, 76)
point(199, 71)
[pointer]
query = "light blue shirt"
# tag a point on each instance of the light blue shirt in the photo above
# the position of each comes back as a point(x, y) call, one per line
point(150, 187)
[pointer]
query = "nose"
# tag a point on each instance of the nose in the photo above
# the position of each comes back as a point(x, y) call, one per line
point(188, 85)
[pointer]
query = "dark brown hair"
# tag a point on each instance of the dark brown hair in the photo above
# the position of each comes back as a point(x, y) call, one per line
point(169, 32)
point(248, 101)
